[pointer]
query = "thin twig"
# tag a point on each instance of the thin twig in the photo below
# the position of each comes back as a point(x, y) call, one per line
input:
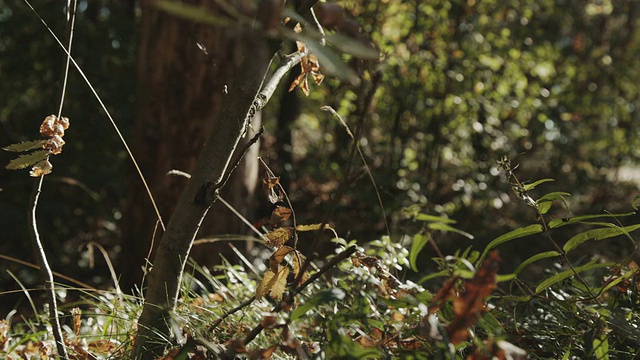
point(106, 111)
point(333, 262)
point(57, 274)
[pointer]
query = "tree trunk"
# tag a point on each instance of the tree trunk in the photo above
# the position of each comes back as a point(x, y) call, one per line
point(182, 90)
point(183, 71)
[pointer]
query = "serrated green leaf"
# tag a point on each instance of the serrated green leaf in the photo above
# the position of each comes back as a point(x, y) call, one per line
point(556, 223)
point(447, 228)
point(535, 258)
point(527, 187)
point(433, 218)
point(26, 160)
point(25, 146)
point(598, 234)
point(323, 297)
point(419, 241)
point(568, 273)
point(512, 235)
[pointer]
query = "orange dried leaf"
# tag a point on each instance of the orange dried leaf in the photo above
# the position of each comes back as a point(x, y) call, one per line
point(47, 127)
point(76, 313)
point(273, 284)
point(279, 215)
point(278, 256)
point(263, 287)
point(41, 168)
point(54, 144)
point(279, 284)
point(279, 236)
point(310, 227)
point(468, 306)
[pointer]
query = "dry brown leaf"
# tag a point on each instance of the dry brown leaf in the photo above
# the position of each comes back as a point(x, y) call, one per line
point(310, 227)
point(76, 313)
point(279, 284)
point(47, 127)
point(41, 168)
point(279, 215)
point(279, 236)
point(469, 306)
point(278, 256)
point(263, 287)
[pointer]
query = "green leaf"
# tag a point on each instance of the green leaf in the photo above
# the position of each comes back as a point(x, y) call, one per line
point(318, 299)
point(27, 160)
point(535, 258)
point(598, 234)
point(512, 235)
point(556, 223)
point(432, 218)
point(25, 146)
point(447, 228)
point(419, 241)
point(505, 277)
point(434, 275)
point(601, 347)
point(619, 279)
point(634, 202)
point(544, 203)
point(568, 273)
point(527, 187)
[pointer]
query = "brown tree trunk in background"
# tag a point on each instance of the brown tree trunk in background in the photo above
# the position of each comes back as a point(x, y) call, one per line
point(183, 69)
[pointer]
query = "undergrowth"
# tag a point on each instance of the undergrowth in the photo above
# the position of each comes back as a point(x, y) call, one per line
point(358, 303)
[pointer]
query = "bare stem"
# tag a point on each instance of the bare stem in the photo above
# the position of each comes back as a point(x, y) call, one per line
point(45, 269)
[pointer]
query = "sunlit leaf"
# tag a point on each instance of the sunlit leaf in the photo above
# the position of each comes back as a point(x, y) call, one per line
point(601, 347)
point(279, 236)
point(310, 227)
point(447, 228)
point(528, 187)
point(25, 146)
point(279, 215)
point(432, 218)
point(535, 258)
point(568, 273)
point(26, 160)
point(264, 286)
point(419, 241)
point(278, 256)
point(598, 234)
point(321, 298)
point(512, 235)
point(41, 168)
point(273, 283)
point(279, 284)
point(545, 202)
point(556, 223)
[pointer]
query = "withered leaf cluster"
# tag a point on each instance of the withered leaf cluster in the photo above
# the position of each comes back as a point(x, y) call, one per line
point(53, 129)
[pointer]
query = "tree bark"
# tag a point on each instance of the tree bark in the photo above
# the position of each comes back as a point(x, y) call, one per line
point(183, 69)
point(242, 85)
